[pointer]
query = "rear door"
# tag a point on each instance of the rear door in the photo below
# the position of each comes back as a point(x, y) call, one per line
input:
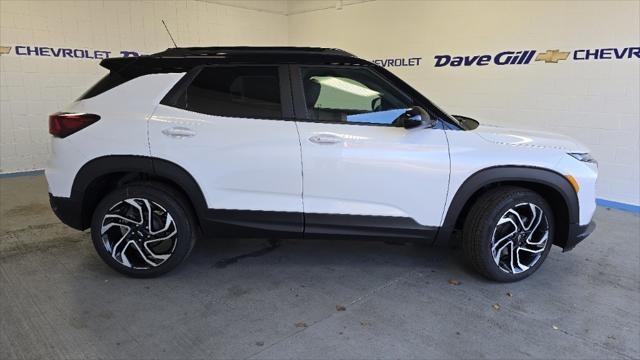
point(363, 175)
point(228, 127)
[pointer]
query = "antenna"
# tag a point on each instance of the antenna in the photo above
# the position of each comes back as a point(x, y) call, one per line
point(168, 32)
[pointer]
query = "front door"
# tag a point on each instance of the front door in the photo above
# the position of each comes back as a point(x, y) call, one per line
point(227, 127)
point(363, 175)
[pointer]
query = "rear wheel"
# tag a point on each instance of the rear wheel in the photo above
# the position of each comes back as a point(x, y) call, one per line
point(143, 229)
point(508, 233)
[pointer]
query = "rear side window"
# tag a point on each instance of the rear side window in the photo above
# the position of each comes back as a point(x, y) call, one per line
point(108, 82)
point(246, 92)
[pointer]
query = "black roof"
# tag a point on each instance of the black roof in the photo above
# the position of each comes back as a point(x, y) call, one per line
point(256, 50)
point(183, 59)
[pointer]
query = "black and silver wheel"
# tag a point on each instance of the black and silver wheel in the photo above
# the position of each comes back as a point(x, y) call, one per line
point(143, 230)
point(508, 233)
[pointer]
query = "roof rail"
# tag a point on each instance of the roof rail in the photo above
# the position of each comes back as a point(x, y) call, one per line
point(230, 50)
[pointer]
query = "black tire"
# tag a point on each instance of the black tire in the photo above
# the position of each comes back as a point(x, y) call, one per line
point(164, 200)
point(482, 221)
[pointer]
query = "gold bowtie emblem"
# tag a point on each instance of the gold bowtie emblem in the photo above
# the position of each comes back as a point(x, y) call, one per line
point(552, 56)
point(5, 49)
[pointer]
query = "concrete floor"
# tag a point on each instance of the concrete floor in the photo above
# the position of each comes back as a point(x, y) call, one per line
point(59, 300)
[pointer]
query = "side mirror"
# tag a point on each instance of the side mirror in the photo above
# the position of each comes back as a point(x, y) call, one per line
point(414, 117)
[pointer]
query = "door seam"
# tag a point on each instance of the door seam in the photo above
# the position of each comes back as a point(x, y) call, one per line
point(304, 216)
point(295, 116)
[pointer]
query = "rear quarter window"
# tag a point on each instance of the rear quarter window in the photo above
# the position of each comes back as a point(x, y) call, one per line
point(108, 82)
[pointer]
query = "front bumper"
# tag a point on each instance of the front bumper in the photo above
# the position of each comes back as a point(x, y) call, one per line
point(68, 211)
point(577, 233)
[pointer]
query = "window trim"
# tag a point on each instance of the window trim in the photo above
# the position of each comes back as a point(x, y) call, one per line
point(300, 105)
point(286, 103)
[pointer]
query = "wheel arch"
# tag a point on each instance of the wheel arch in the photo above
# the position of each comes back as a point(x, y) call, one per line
point(99, 176)
point(549, 184)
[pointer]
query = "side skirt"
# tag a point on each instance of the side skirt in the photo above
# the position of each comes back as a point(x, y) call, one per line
point(249, 223)
point(252, 223)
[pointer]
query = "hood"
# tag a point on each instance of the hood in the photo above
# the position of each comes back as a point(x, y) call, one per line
point(529, 138)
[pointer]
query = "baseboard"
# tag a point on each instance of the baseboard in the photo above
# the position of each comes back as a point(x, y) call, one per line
point(600, 202)
point(618, 205)
point(22, 173)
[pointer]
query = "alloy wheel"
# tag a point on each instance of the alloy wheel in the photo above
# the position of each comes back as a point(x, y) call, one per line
point(520, 238)
point(139, 233)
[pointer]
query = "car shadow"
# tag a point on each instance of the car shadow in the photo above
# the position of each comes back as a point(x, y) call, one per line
point(223, 253)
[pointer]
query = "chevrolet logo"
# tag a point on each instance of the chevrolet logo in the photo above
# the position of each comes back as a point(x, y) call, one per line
point(5, 49)
point(552, 56)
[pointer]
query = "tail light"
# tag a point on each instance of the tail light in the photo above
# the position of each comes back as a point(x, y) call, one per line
point(62, 124)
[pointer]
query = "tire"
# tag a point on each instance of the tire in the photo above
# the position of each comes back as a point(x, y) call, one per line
point(128, 245)
point(493, 224)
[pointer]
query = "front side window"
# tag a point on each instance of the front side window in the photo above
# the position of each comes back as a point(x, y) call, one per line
point(246, 92)
point(348, 95)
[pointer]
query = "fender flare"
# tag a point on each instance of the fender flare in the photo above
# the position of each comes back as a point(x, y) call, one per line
point(515, 175)
point(154, 167)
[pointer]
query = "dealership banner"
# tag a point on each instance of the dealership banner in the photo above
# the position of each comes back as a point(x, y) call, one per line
point(501, 58)
point(517, 57)
point(65, 52)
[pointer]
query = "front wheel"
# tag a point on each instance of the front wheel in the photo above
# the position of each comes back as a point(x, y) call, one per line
point(143, 229)
point(508, 233)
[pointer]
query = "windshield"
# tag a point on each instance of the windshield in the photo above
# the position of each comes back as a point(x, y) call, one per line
point(467, 122)
point(451, 118)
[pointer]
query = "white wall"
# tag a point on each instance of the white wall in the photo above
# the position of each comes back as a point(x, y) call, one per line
point(596, 102)
point(33, 87)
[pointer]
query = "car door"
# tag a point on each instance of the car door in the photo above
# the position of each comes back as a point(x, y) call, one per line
point(228, 127)
point(364, 175)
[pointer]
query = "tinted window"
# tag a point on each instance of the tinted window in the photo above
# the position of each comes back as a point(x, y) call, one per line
point(107, 83)
point(351, 96)
point(248, 92)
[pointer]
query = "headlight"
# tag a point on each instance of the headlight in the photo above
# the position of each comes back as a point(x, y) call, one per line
point(584, 157)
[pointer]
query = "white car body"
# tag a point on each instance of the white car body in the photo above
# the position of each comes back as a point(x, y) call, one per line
point(250, 164)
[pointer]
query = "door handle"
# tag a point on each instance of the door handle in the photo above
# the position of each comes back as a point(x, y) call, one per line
point(325, 139)
point(179, 132)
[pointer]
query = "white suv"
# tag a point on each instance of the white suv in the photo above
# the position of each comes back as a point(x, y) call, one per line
point(303, 142)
